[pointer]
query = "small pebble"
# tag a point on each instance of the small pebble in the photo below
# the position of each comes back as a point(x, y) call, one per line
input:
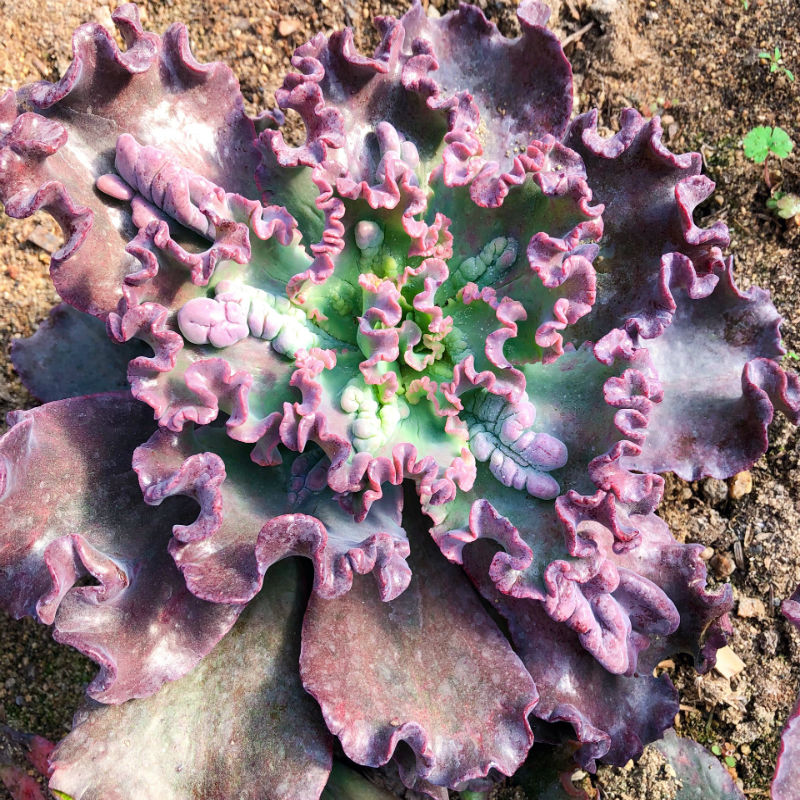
point(740, 485)
point(43, 238)
point(728, 663)
point(289, 25)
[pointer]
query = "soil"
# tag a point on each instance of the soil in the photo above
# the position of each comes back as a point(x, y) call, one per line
point(695, 62)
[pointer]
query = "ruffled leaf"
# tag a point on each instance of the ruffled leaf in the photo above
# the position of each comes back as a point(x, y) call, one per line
point(555, 553)
point(615, 715)
point(650, 244)
point(716, 364)
point(252, 516)
point(71, 508)
point(536, 250)
point(427, 81)
point(155, 90)
point(429, 668)
point(499, 94)
point(239, 725)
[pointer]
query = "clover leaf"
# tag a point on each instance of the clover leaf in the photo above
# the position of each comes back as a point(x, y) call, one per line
point(763, 140)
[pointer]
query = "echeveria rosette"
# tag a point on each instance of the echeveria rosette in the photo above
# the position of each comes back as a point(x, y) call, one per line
point(446, 288)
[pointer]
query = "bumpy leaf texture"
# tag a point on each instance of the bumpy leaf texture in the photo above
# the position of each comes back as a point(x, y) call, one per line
point(451, 325)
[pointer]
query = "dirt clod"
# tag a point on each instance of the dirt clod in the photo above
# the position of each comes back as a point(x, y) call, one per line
point(740, 484)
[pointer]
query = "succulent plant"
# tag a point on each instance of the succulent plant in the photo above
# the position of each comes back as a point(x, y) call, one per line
point(452, 339)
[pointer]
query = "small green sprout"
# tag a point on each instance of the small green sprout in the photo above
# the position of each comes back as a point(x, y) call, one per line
point(775, 61)
point(745, 4)
point(730, 761)
point(793, 354)
point(786, 205)
point(716, 749)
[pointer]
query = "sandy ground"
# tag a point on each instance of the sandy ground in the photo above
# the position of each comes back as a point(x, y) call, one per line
point(696, 63)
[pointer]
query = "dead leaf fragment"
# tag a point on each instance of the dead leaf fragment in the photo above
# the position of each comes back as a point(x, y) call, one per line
point(728, 663)
point(42, 237)
point(751, 608)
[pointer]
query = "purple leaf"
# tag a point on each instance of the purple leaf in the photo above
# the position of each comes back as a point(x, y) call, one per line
point(713, 419)
point(70, 355)
point(702, 775)
point(239, 725)
point(154, 90)
point(561, 554)
point(650, 244)
point(420, 98)
point(528, 78)
point(252, 516)
point(71, 508)
point(615, 722)
point(429, 668)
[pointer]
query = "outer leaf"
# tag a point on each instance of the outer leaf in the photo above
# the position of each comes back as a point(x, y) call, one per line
point(787, 771)
point(614, 716)
point(650, 242)
point(429, 668)
point(721, 384)
point(701, 774)
point(657, 268)
point(472, 71)
point(239, 725)
point(155, 90)
point(71, 508)
point(70, 354)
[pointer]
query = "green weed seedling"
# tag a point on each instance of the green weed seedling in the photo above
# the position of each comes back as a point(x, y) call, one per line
point(786, 205)
point(763, 140)
point(775, 61)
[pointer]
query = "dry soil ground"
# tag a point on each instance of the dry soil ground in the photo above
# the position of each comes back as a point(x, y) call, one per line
point(696, 63)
